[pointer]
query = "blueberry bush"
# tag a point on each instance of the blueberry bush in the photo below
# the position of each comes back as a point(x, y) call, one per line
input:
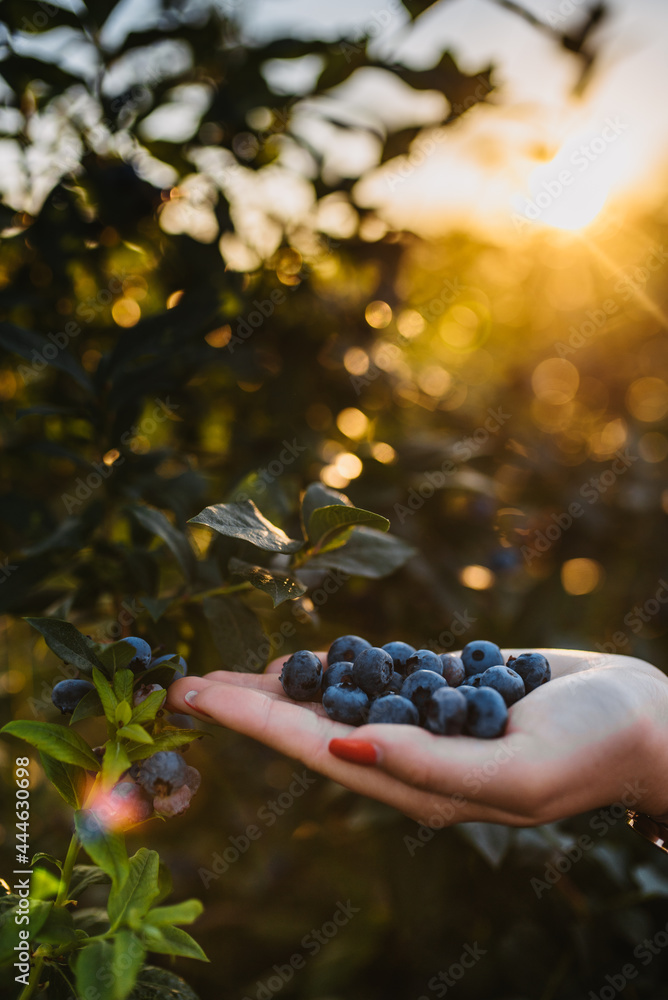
point(224, 373)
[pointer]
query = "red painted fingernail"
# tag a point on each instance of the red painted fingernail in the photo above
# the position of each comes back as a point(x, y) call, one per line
point(358, 751)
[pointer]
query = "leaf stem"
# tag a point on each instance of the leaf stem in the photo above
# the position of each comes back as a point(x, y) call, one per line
point(68, 868)
point(33, 982)
point(231, 588)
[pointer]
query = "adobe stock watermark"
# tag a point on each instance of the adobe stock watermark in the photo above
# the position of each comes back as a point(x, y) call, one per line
point(273, 470)
point(473, 782)
point(267, 815)
point(581, 159)
point(645, 952)
point(638, 615)
point(459, 625)
point(445, 979)
point(599, 825)
point(86, 486)
point(591, 491)
point(311, 944)
point(463, 451)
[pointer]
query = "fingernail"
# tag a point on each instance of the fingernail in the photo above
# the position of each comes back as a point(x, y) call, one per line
point(189, 698)
point(358, 751)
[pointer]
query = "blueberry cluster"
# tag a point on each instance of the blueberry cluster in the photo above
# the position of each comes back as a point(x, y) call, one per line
point(396, 683)
point(162, 784)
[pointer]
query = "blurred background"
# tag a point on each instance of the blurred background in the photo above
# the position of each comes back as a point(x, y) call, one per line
point(416, 251)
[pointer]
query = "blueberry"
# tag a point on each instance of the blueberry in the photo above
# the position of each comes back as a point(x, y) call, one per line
point(142, 657)
point(393, 708)
point(175, 803)
point(474, 680)
point(487, 714)
point(399, 651)
point(193, 778)
point(453, 669)
point(372, 670)
point(337, 673)
point(66, 695)
point(533, 668)
point(479, 655)
point(394, 684)
point(506, 681)
point(446, 712)
point(163, 773)
point(420, 686)
point(126, 805)
point(346, 703)
point(143, 691)
point(183, 666)
point(424, 659)
point(346, 647)
point(301, 675)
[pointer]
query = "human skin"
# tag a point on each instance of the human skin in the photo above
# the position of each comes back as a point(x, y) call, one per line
point(597, 733)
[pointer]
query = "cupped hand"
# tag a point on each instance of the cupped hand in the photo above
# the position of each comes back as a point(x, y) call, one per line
point(597, 733)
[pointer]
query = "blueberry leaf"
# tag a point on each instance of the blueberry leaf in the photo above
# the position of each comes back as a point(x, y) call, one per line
point(168, 940)
point(316, 496)
point(106, 849)
point(68, 779)
point(58, 741)
point(107, 696)
point(160, 984)
point(243, 520)
point(278, 585)
point(326, 522)
point(9, 929)
point(67, 643)
point(85, 875)
point(58, 928)
point(123, 713)
point(367, 553)
point(92, 968)
point(147, 709)
point(26, 342)
point(127, 960)
point(114, 762)
point(156, 522)
point(123, 684)
point(135, 733)
point(134, 897)
point(180, 913)
point(168, 740)
point(156, 606)
point(90, 705)
point(115, 655)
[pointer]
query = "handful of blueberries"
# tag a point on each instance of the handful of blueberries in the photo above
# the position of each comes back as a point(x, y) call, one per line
point(446, 694)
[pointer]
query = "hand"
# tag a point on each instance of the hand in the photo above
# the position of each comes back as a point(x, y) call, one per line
point(597, 733)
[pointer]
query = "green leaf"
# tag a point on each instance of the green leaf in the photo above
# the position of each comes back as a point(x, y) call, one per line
point(367, 553)
point(116, 655)
point(169, 740)
point(42, 856)
point(180, 913)
point(134, 732)
point(165, 884)
point(133, 898)
point(58, 928)
point(106, 849)
point(114, 762)
point(85, 875)
point(123, 684)
point(280, 586)
point(107, 696)
point(172, 941)
point(156, 522)
point(38, 911)
point(237, 633)
point(326, 522)
point(90, 705)
point(58, 741)
point(68, 779)
point(67, 643)
point(147, 709)
point(160, 984)
point(123, 713)
point(243, 520)
point(30, 345)
point(92, 970)
point(316, 496)
point(44, 883)
point(127, 960)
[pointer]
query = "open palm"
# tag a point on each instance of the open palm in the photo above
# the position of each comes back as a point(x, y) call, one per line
point(596, 734)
